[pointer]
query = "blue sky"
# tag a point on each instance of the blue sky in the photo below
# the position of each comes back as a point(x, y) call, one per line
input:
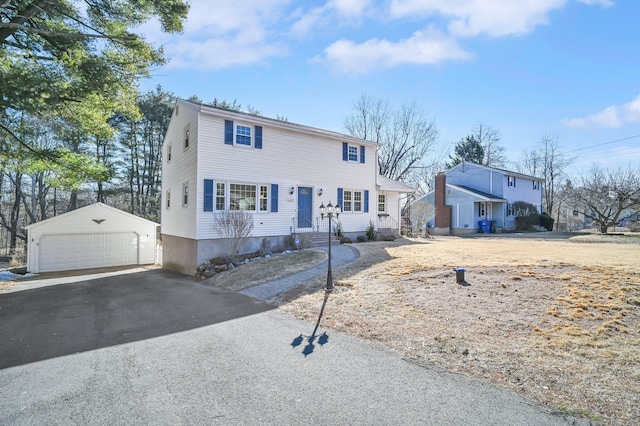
point(565, 68)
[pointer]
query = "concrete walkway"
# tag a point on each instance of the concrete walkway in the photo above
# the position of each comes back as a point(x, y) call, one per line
point(340, 255)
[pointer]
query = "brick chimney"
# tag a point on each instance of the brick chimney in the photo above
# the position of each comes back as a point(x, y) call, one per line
point(443, 212)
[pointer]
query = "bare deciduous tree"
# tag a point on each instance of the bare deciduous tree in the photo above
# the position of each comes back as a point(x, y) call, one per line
point(235, 226)
point(546, 161)
point(405, 135)
point(421, 213)
point(489, 138)
point(603, 195)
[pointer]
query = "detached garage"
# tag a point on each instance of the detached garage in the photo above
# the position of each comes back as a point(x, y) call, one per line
point(94, 236)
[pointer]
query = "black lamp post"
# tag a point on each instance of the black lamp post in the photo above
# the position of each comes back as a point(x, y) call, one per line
point(329, 211)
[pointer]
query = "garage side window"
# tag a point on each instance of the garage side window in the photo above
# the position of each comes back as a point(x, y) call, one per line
point(185, 194)
point(168, 202)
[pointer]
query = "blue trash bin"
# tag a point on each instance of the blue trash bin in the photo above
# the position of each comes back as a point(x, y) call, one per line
point(485, 225)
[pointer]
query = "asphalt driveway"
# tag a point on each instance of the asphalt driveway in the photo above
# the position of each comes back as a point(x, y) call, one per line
point(81, 312)
point(156, 347)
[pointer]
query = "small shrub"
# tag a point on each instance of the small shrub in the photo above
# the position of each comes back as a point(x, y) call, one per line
point(546, 221)
point(371, 231)
point(345, 240)
point(361, 238)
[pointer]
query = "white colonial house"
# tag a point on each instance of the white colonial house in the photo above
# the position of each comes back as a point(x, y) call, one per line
point(469, 194)
point(216, 160)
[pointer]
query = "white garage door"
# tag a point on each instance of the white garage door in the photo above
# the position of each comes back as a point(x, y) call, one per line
point(84, 251)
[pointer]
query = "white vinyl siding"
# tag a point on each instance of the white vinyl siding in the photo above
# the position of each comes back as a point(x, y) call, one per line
point(182, 168)
point(290, 159)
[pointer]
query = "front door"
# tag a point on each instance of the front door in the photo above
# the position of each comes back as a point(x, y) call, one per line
point(305, 201)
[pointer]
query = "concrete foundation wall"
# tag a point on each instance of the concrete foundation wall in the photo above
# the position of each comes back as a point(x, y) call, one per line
point(185, 254)
point(439, 231)
point(179, 254)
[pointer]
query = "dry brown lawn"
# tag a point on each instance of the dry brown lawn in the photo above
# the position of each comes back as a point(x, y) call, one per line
point(256, 273)
point(556, 321)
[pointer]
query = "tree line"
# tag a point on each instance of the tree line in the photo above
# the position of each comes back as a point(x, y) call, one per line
point(74, 128)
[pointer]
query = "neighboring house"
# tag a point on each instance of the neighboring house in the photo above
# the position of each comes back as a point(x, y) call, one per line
point(94, 236)
point(469, 193)
point(216, 160)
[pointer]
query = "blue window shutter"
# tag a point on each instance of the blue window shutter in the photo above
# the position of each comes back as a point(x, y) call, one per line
point(208, 195)
point(340, 197)
point(228, 132)
point(366, 199)
point(361, 154)
point(345, 151)
point(274, 197)
point(258, 144)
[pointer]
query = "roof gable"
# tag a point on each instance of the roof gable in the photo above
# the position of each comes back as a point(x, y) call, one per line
point(464, 164)
point(97, 207)
point(272, 122)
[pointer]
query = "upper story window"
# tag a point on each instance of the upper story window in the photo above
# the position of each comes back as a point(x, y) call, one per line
point(353, 153)
point(169, 153)
point(186, 137)
point(243, 135)
point(382, 203)
point(511, 181)
point(536, 184)
point(168, 201)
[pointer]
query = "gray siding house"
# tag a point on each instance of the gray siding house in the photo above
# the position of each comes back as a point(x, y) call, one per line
point(468, 193)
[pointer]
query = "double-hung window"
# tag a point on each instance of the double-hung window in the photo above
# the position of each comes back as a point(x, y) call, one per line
point(511, 211)
point(352, 201)
point(185, 194)
point(511, 181)
point(347, 202)
point(353, 153)
point(186, 137)
point(382, 203)
point(357, 201)
point(264, 198)
point(220, 196)
point(168, 201)
point(243, 135)
point(536, 184)
point(169, 153)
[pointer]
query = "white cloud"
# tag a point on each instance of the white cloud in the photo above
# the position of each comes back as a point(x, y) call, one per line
point(222, 34)
point(470, 18)
point(423, 47)
point(603, 3)
point(332, 11)
point(610, 117)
